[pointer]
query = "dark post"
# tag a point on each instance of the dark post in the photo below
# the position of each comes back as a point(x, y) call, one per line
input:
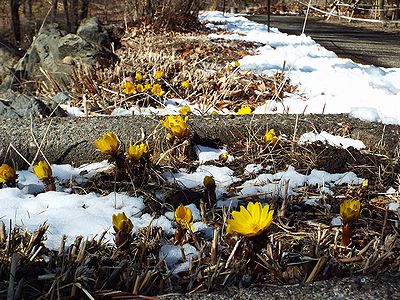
point(223, 8)
point(54, 4)
point(84, 9)
point(381, 6)
point(269, 14)
point(15, 24)
point(74, 16)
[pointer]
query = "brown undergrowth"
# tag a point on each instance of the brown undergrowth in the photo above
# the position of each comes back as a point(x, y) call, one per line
point(208, 65)
point(301, 246)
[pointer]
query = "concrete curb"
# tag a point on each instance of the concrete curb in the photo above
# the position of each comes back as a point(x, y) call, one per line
point(71, 140)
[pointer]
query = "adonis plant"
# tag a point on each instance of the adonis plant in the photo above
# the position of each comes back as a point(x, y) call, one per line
point(184, 220)
point(123, 227)
point(7, 175)
point(43, 171)
point(132, 162)
point(350, 212)
point(178, 136)
point(250, 221)
point(177, 127)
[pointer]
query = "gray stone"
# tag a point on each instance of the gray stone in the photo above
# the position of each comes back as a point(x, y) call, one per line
point(9, 55)
point(61, 98)
point(49, 50)
point(71, 140)
point(91, 30)
point(17, 105)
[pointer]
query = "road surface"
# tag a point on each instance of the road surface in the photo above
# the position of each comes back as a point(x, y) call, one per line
point(378, 47)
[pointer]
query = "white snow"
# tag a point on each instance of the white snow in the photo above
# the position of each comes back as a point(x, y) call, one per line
point(207, 154)
point(174, 257)
point(333, 140)
point(282, 184)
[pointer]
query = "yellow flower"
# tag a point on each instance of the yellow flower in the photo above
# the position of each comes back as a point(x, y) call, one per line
point(7, 173)
point(136, 152)
point(138, 76)
point(42, 170)
point(185, 84)
point(140, 88)
point(170, 137)
point(183, 216)
point(108, 144)
point(121, 223)
point(223, 157)
point(364, 184)
point(147, 86)
point(128, 88)
point(270, 137)
point(157, 90)
point(209, 182)
point(251, 221)
point(159, 74)
point(350, 210)
point(184, 110)
point(233, 65)
point(245, 110)
point(176, 125)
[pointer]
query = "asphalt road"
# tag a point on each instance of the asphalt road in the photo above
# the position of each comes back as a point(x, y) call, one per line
point(377, 46)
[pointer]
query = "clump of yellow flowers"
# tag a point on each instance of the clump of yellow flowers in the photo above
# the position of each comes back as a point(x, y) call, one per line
point(138, 76)
point(128, 88)
point(245, 110)
point(250, 221)
point(121, 223)
point(132, 162)
point(185, 84)
point(176, 126)
point(137, 152)
point(157, 90)
point(185, 110)
point(159, 74)
point(43, 171)
point(108, 144)
point(122, 226)
point(7, 175)
point(270, 137)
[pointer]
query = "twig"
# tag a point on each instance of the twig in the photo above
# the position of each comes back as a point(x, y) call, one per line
point(13, 270)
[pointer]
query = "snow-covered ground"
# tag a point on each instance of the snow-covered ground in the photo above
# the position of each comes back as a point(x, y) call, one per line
point(326, 84)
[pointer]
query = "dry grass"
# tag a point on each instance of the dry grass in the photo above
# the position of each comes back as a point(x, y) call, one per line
point(300, 246)
point(215, 84)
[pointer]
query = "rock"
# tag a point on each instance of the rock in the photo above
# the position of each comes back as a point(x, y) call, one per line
point(22, 106)
point(9, 55)
point(61, 98)
point(91, 31)
point(53, 54)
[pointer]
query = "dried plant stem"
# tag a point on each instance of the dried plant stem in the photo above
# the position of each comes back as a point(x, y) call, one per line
point(13, 270)
point(214, 246)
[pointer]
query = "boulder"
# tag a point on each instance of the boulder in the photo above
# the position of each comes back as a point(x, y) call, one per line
point(53, 54)
point(91, 31)
point(20, 105)
point(9, 55)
